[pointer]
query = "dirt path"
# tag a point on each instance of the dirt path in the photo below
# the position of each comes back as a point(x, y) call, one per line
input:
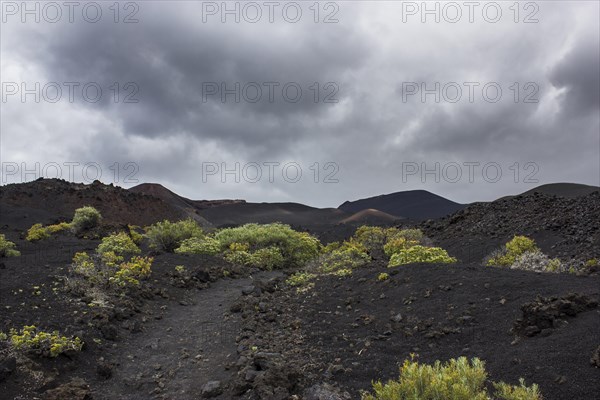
point(188, 347)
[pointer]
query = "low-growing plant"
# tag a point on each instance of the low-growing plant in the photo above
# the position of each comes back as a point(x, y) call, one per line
point(420, 254)
point(296, 248)
point(505, 391)
point(168, 236)
point(8, 248)
point(46, 344)
point(37, 232)
point(456, 379)
point(516, 247)
point(132, 271)
point(268, 258)
point(591, 263)
point(135, 235)
point(300, 279)
point(83, 264)
point(119, 244)
point(200, 245)
point(396, 244)
point(373, 238)
point(85, 218)
point(384, 276)
point(61, 226)
point(347, 255)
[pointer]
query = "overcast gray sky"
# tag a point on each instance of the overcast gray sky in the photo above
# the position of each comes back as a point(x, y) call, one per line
point(363, 98)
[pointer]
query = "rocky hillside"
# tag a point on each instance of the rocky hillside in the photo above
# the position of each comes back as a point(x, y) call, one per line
point(563, 227)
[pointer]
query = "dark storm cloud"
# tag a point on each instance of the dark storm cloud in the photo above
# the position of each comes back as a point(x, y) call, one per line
point(370, 132)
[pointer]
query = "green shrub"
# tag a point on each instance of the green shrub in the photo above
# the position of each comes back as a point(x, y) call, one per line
point(40, 232)
point(131, 272)
point(300, 279)
point(383, 277)
point(347, 255)
point(200, 245)
point(420, 254)
point(397, 244)
point(168, 236)
point(47, 344)
point(516, 247)
point(135, 235)
point(593, 262)
point(373, 238)
point(505, 391)
point(296, 248)
point(85, 218)
point(457, 379)
point(37, 232)
point(119, 244)
point(8, 248)
point(268, 258)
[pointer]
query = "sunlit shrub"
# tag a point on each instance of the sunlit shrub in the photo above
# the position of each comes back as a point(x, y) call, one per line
point(296, 248)
point(47, 344)
point(268, 258)
point(347, 255)
point(511, 251)
point(591, 263)
point(396, 244)
point(62, 226)
point(238, 253)
point(300, 278)
point(119, 243)
point(383, 277)
point(420, 254)
point(135, 235)
point(83, 264)
point(200, 245)
point(8, 248)
point(37, 232)
point(168, 236)
point(85, 218)
point(457, 379)
point(505, 391)
point(131, 272)
point(373, 238)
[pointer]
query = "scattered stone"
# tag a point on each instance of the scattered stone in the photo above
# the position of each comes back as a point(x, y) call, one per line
point(77, 389)
point(396, 318)
point(212, 389)
point(595, 360)
point(8, 365)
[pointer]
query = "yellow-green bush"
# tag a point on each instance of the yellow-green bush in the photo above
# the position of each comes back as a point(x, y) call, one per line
point(135, 235)
point(516, 247)
point(85, 218)
point(200, 245)
point(347, 255)
point(396, 244)
point(168, 236)
point(300, 279)
point(296, 248)
point(383, 277)
point(131, 272)
point(420, 254)
point(457, 379)
point(48, 344)
point(37, 232)
point(593, 262)
point(8, 248)
point(120, 244)
point(373, 238)
point(40, 232)
point(268, 258)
